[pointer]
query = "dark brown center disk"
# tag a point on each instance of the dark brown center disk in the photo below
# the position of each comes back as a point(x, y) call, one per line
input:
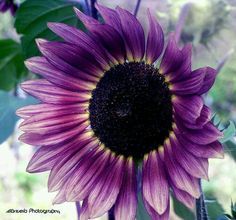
point(131, 109)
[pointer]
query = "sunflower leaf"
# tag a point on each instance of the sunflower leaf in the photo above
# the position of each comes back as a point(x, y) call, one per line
point(229, 132)
point(32, 17)
point(11, 64)
point(8, 106)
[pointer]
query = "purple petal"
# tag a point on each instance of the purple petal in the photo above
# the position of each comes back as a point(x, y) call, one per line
point(55, 110)
point(46, 157)
point(212, 150)
point(155, 186)
point(190, 85)
point(126, 204)
point(133, 34)
point(154, 215)
point(59, 198)
point(184, 69)
point(41, 66)
point(105, 192)
point(63, 170)
point(70, 57)
point(86, 175)
point(209, 79)
point(184, 197)
point(50, 124)
point(110, 16)
point(204, 117)
point(49, 93)
point(155, 40)
point(85, 18)
point(179, 177)
point(50, 139)
point(110, 39)
point(206, 135)
point(188, 108)
point(197, 167)
point(81, 39)
point(172, 58)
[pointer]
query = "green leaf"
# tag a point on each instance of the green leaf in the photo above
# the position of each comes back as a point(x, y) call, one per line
point(32, 17)
point(11, 64)
point(141, 213)
point(230, 148)
point(181, 210)
point(8, 106)
point(214, 208)
point(229, 132)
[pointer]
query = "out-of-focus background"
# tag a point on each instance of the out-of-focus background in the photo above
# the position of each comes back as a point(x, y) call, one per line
point(210, 25)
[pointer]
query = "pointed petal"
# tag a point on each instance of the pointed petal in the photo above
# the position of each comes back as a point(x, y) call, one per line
point(51, 124)
point(41, 66)
point(81, 39)
point(172, 58)
point(54, 110)
point(154, 215)
point(126, 204)
point(184, 197)
point(197, 167)
point(155, 40)
point(87, 174)
point(184, 69)
point(49, 93)
point(190, 85)
point(188, 108)
point(110, 16)
point(212, 150)
point(133, 34)
point(206, 135)
point(46, 157)
point(179, 177)
point(50, 139)
point(85, 18)
point(110, 38)
point(62, 171)
point(209, 79)
point(105, 192)
point(70, 57)
point(155, 185)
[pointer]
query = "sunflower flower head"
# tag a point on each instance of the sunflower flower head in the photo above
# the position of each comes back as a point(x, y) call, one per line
point(106, 107)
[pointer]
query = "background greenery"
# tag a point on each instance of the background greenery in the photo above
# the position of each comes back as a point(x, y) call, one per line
point(210, 25)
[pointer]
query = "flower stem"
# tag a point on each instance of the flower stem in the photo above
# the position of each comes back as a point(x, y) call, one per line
point(201, 208)
point(137, 7)
point(94, 12)
point(78, 209)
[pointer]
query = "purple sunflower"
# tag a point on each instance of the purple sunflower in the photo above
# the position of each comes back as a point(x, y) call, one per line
point(6, 5)
point(108, 111)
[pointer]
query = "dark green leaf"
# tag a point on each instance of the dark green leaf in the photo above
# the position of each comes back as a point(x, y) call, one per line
point(230, 148)
point(141, 211)
point(8, 106)
point(229, 132)
point(32, 18)
point(181, 210)
point(214, 208)
point(11, 64)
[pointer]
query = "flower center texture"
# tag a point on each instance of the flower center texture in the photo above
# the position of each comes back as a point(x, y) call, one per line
point(131, 110)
